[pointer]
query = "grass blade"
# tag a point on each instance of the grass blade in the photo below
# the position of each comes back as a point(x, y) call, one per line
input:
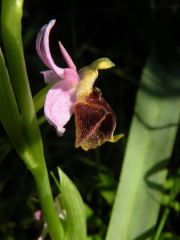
point(149, 148)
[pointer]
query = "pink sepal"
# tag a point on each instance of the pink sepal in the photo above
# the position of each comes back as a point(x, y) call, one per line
point(59, 104)
point(42, 47)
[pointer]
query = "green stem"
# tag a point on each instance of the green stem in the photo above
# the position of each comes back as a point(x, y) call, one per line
point(47, 204)
point(162, 223)
point(173, 193)
point(11, 17)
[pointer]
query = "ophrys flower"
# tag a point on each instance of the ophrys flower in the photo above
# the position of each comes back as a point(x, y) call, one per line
point(72, 92)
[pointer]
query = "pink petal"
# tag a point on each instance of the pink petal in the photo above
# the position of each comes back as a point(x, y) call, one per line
point(71, 76)
point(42, 47)
point(51, 77)
point(66, 57)
point(58, 106)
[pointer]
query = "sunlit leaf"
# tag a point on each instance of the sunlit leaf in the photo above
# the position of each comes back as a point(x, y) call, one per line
point(149, 148)
point(72, 207)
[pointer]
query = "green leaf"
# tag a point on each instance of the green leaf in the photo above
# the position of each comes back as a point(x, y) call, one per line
point(10, 116)
point(39, 98)
point(149, 147)
point(72, 205)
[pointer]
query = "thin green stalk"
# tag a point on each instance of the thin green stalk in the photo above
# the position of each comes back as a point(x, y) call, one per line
point(12, 40)
point(162, 223)
point(174, 191)
point(47, 204)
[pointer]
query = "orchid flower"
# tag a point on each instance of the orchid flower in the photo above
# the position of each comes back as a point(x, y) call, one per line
point(72, 92)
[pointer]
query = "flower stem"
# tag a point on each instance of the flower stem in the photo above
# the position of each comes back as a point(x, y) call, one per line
point(43, 186)
point(11, 16)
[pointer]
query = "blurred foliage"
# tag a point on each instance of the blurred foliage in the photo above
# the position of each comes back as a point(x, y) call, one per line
point(126, 32)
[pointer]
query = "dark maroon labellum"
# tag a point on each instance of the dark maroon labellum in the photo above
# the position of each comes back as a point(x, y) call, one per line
point(95, 121)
